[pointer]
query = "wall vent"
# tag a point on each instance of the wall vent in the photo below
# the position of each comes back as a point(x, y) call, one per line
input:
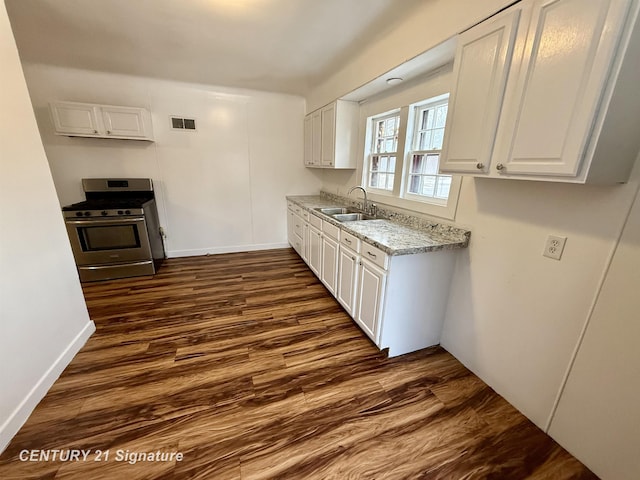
point(179, 123)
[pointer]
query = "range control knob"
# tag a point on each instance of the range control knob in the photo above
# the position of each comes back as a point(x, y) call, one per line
point(127, 212)
point(104, 213)
point(120, 212)
point(87, 214)
point(78, 214)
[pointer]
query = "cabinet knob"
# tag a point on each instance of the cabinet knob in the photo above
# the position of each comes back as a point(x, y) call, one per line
point(95, 131)
point(108, 132)
point(500, 167)
point(479, 166)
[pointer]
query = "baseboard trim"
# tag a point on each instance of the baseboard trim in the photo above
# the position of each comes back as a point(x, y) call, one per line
point(227, 249)
point(22, 412)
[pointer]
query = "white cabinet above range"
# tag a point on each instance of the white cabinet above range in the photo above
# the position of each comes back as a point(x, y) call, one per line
point(76, 119)
point(547, 90)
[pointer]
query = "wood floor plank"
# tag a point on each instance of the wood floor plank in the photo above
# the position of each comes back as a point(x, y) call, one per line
point(249, 368)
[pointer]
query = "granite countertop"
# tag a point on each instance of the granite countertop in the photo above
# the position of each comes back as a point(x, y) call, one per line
point(390, 236)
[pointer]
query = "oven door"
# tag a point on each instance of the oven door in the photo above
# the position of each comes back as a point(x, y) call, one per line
point(106, 241)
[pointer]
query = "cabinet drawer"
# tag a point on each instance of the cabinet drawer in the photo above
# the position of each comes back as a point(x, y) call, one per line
point(291, 206)
point(298, 226)
point(375, 255)
point(330, 230)
point(305, 214)
point(315, 221)
point(297, 209)
point(350, 241)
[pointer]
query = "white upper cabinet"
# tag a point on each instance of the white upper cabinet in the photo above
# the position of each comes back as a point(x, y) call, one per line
point(101, 121)
point(480, 71)
point(308, 139)
point(334, 135)
point(566, 100)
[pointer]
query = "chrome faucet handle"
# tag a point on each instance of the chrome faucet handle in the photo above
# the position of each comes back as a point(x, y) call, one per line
point(374, 209)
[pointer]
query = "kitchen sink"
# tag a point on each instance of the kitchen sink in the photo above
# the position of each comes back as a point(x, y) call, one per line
point(352, 217)
point(336, 210)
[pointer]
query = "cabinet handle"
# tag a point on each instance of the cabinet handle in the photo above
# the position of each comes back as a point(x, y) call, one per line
point(372, 255)
point(347, 241)
point(479, 166)
point(108, 132)
point(353, 258)
point(95, 131)
point(297, 226)
point(500, 167)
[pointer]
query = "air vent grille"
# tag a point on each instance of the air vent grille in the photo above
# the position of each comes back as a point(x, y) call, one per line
point(179, 123)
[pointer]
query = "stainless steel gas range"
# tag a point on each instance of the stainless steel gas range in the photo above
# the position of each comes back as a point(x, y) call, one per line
point(115, 233)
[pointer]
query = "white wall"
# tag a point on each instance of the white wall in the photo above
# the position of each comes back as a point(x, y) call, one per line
point(43, 317)
point(219, 189)
point(598, 418)
point(432, 23)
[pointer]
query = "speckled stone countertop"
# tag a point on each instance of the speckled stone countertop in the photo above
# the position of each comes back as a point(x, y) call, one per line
point(407, 236)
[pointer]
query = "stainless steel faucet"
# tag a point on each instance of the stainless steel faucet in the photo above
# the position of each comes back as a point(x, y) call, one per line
point(365, 207)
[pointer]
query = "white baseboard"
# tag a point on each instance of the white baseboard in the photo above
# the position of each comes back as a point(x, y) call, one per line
point(227, 249)
point(20, 415)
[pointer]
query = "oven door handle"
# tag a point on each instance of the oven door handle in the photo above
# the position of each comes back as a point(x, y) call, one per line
point(105, 221)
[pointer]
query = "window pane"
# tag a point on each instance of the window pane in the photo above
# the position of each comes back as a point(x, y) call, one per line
point(414, 184)
point(431, 164)
point(416, 164)
point(373, 182)
point(444, 186)
point(383, 164)
point(375, 161)
point(425, 141)
point(441, 116)
point(390, 127)
point(428, 185)
point(390, 178)
point(436, 139)
point(392, 164)
point(388, 145)
point(428, 119)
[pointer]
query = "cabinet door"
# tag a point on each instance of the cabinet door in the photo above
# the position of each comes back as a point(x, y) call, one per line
point(308, 140)
point(75, 119)
point(480, 71)
point(314, 251)
point(125, 122)
point(347, 280)
point(555, 86)
point(330, 264)
point(370, 298)
point(290, 227)
point(316, 137)
point(328, 135)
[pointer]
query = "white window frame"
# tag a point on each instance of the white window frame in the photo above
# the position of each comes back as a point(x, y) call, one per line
point(415, 115)
point(370, 152)
point(396, 197)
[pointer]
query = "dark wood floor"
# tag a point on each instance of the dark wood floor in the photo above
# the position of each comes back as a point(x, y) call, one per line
point(249, 368)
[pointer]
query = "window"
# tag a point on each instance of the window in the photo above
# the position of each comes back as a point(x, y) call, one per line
point(384, 149)
point(402, 149)
point(423, 180)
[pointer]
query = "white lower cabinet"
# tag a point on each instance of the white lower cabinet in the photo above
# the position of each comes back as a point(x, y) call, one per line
point(371, 289)
point(330, 264)
point(314, 251)
point(297, 231)
point(348, 271)
point(399, 301)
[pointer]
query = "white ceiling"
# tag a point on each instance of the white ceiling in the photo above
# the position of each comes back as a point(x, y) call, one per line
point(275, 45)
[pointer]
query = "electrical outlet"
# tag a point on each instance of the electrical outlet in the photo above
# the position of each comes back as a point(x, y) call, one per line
point(554, 247)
